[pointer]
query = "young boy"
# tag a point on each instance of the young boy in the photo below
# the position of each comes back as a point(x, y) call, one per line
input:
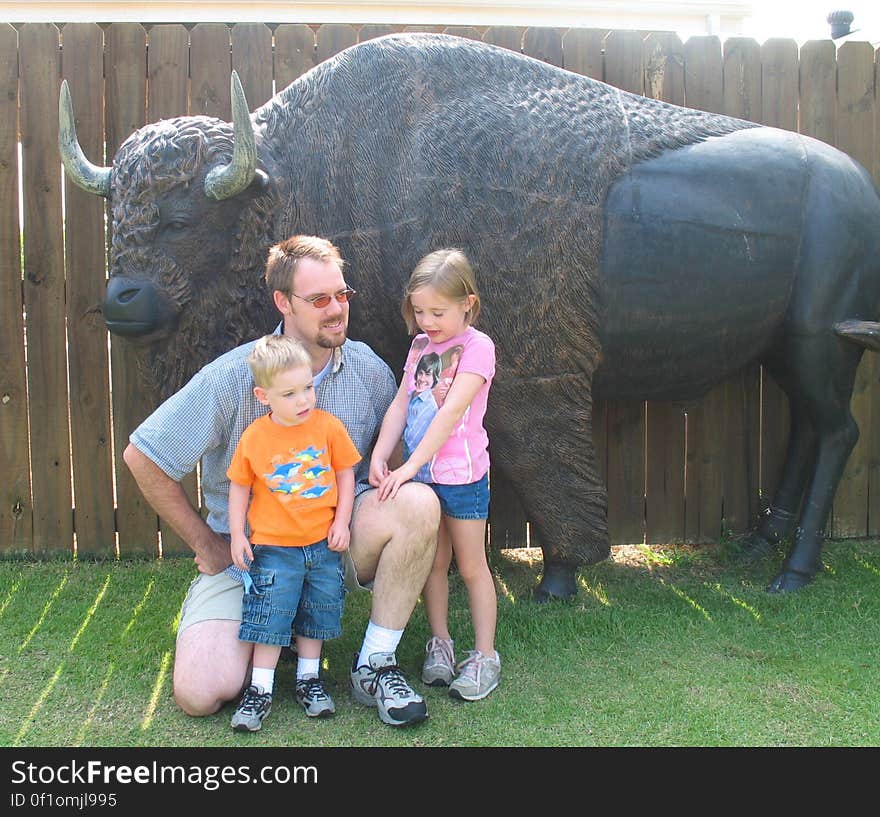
point(295, 464)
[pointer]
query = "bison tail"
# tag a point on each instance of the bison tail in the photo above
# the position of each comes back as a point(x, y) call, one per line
point(865, 333)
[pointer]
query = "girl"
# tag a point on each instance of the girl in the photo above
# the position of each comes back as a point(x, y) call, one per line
point(449, 453)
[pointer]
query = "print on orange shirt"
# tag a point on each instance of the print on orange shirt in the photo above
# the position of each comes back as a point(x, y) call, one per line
point(298, 476)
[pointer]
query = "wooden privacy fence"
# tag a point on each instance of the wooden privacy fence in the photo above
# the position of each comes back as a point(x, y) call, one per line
point(68, 398)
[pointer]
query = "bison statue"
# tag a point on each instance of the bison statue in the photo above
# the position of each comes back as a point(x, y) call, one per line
point(625, 247)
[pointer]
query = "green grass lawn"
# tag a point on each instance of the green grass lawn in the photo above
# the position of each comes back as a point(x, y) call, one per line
point(672, 646)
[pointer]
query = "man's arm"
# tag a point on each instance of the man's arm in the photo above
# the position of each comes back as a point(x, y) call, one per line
point(169, 500)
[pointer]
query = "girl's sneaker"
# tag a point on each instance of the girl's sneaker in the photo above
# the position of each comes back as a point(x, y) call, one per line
point(478, 675)
point(439, 667)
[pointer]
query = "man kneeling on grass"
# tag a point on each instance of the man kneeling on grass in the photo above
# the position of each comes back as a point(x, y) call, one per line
point(392, 546)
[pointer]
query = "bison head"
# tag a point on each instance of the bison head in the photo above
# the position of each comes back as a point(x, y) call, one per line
point(190, 229)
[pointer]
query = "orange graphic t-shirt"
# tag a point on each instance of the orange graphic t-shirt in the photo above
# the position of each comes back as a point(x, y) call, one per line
point(291, 474)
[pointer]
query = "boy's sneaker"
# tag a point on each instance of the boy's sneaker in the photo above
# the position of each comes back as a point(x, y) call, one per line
point(478, 675)
point(311, 696)
point(253, 707)
point(439, 667)
point(383, 685)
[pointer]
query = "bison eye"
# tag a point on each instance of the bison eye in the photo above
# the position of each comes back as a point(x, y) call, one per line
point(175, 225)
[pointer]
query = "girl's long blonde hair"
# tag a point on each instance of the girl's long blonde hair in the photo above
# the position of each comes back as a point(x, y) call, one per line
point(450, 273)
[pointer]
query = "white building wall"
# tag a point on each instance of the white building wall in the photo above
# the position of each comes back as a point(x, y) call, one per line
point(723, 18)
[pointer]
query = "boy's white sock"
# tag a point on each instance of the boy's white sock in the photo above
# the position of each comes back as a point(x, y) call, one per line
point(378, 639)
point(263, 678)
point(307, 667)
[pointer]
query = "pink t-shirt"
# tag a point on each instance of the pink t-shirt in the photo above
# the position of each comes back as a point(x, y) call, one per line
point(429, 371)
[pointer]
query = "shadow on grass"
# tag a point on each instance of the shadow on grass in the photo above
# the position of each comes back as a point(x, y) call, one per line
point(518, 571)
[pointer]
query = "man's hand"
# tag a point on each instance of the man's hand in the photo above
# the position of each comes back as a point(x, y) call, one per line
point(213, 554)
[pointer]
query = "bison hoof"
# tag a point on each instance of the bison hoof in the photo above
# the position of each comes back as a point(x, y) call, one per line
point(558, 582)
point(789, 580)
point(754, 548)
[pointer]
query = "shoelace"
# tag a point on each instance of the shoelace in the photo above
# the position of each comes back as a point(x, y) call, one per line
point(472, 666)
point(314, 690)
point(393, 678)
point(253, 701)
point(440, 651)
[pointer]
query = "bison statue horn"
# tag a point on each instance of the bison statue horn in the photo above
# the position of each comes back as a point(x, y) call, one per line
point(226, 181)
point(82, 172)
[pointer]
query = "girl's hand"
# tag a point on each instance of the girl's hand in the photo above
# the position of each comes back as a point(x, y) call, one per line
point(338, 537)
point(242, 555)
point(378, 471)
point(390, 485)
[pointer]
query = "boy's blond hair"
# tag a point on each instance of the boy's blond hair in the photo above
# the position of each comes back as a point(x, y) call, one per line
point(449, 272)
point(273, 354)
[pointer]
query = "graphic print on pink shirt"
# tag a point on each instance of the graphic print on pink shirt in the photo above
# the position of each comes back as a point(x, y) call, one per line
point(429, 372)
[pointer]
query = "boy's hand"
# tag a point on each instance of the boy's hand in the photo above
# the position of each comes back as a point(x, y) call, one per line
point(242, 555)
point(338, 537)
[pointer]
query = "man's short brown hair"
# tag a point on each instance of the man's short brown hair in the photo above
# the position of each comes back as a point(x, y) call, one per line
point(284, 256)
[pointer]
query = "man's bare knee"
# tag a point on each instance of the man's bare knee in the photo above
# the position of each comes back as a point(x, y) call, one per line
point(418, 511)
point(196, 703)
point(210, 666)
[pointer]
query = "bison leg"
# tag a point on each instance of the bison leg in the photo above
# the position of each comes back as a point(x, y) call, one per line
point(778, 522)
point(823, 373)
point(546, 450)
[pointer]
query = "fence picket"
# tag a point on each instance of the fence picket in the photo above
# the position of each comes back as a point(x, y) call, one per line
point(874, 457)
point(167, 72)
point(663, 61)
point(252, 60)
point(125, 67)
point(91, 438)
point(663, 66)
point(373, 30)
point(625, 418)
point(294, 53)
point(333, 38)
point(817, 106)
point(44, 289)
point(468, 32)
point(509, 37)
point(16, 505)
point(210, 63)
point(623, 61)
point(779, 104)
point(543, 44)
point(855, 118)
point(742, 78)
point(168, 96)
point(582, 51)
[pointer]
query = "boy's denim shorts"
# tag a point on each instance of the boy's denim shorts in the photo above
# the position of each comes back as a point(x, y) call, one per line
point(302, 587)
point(469, 501)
